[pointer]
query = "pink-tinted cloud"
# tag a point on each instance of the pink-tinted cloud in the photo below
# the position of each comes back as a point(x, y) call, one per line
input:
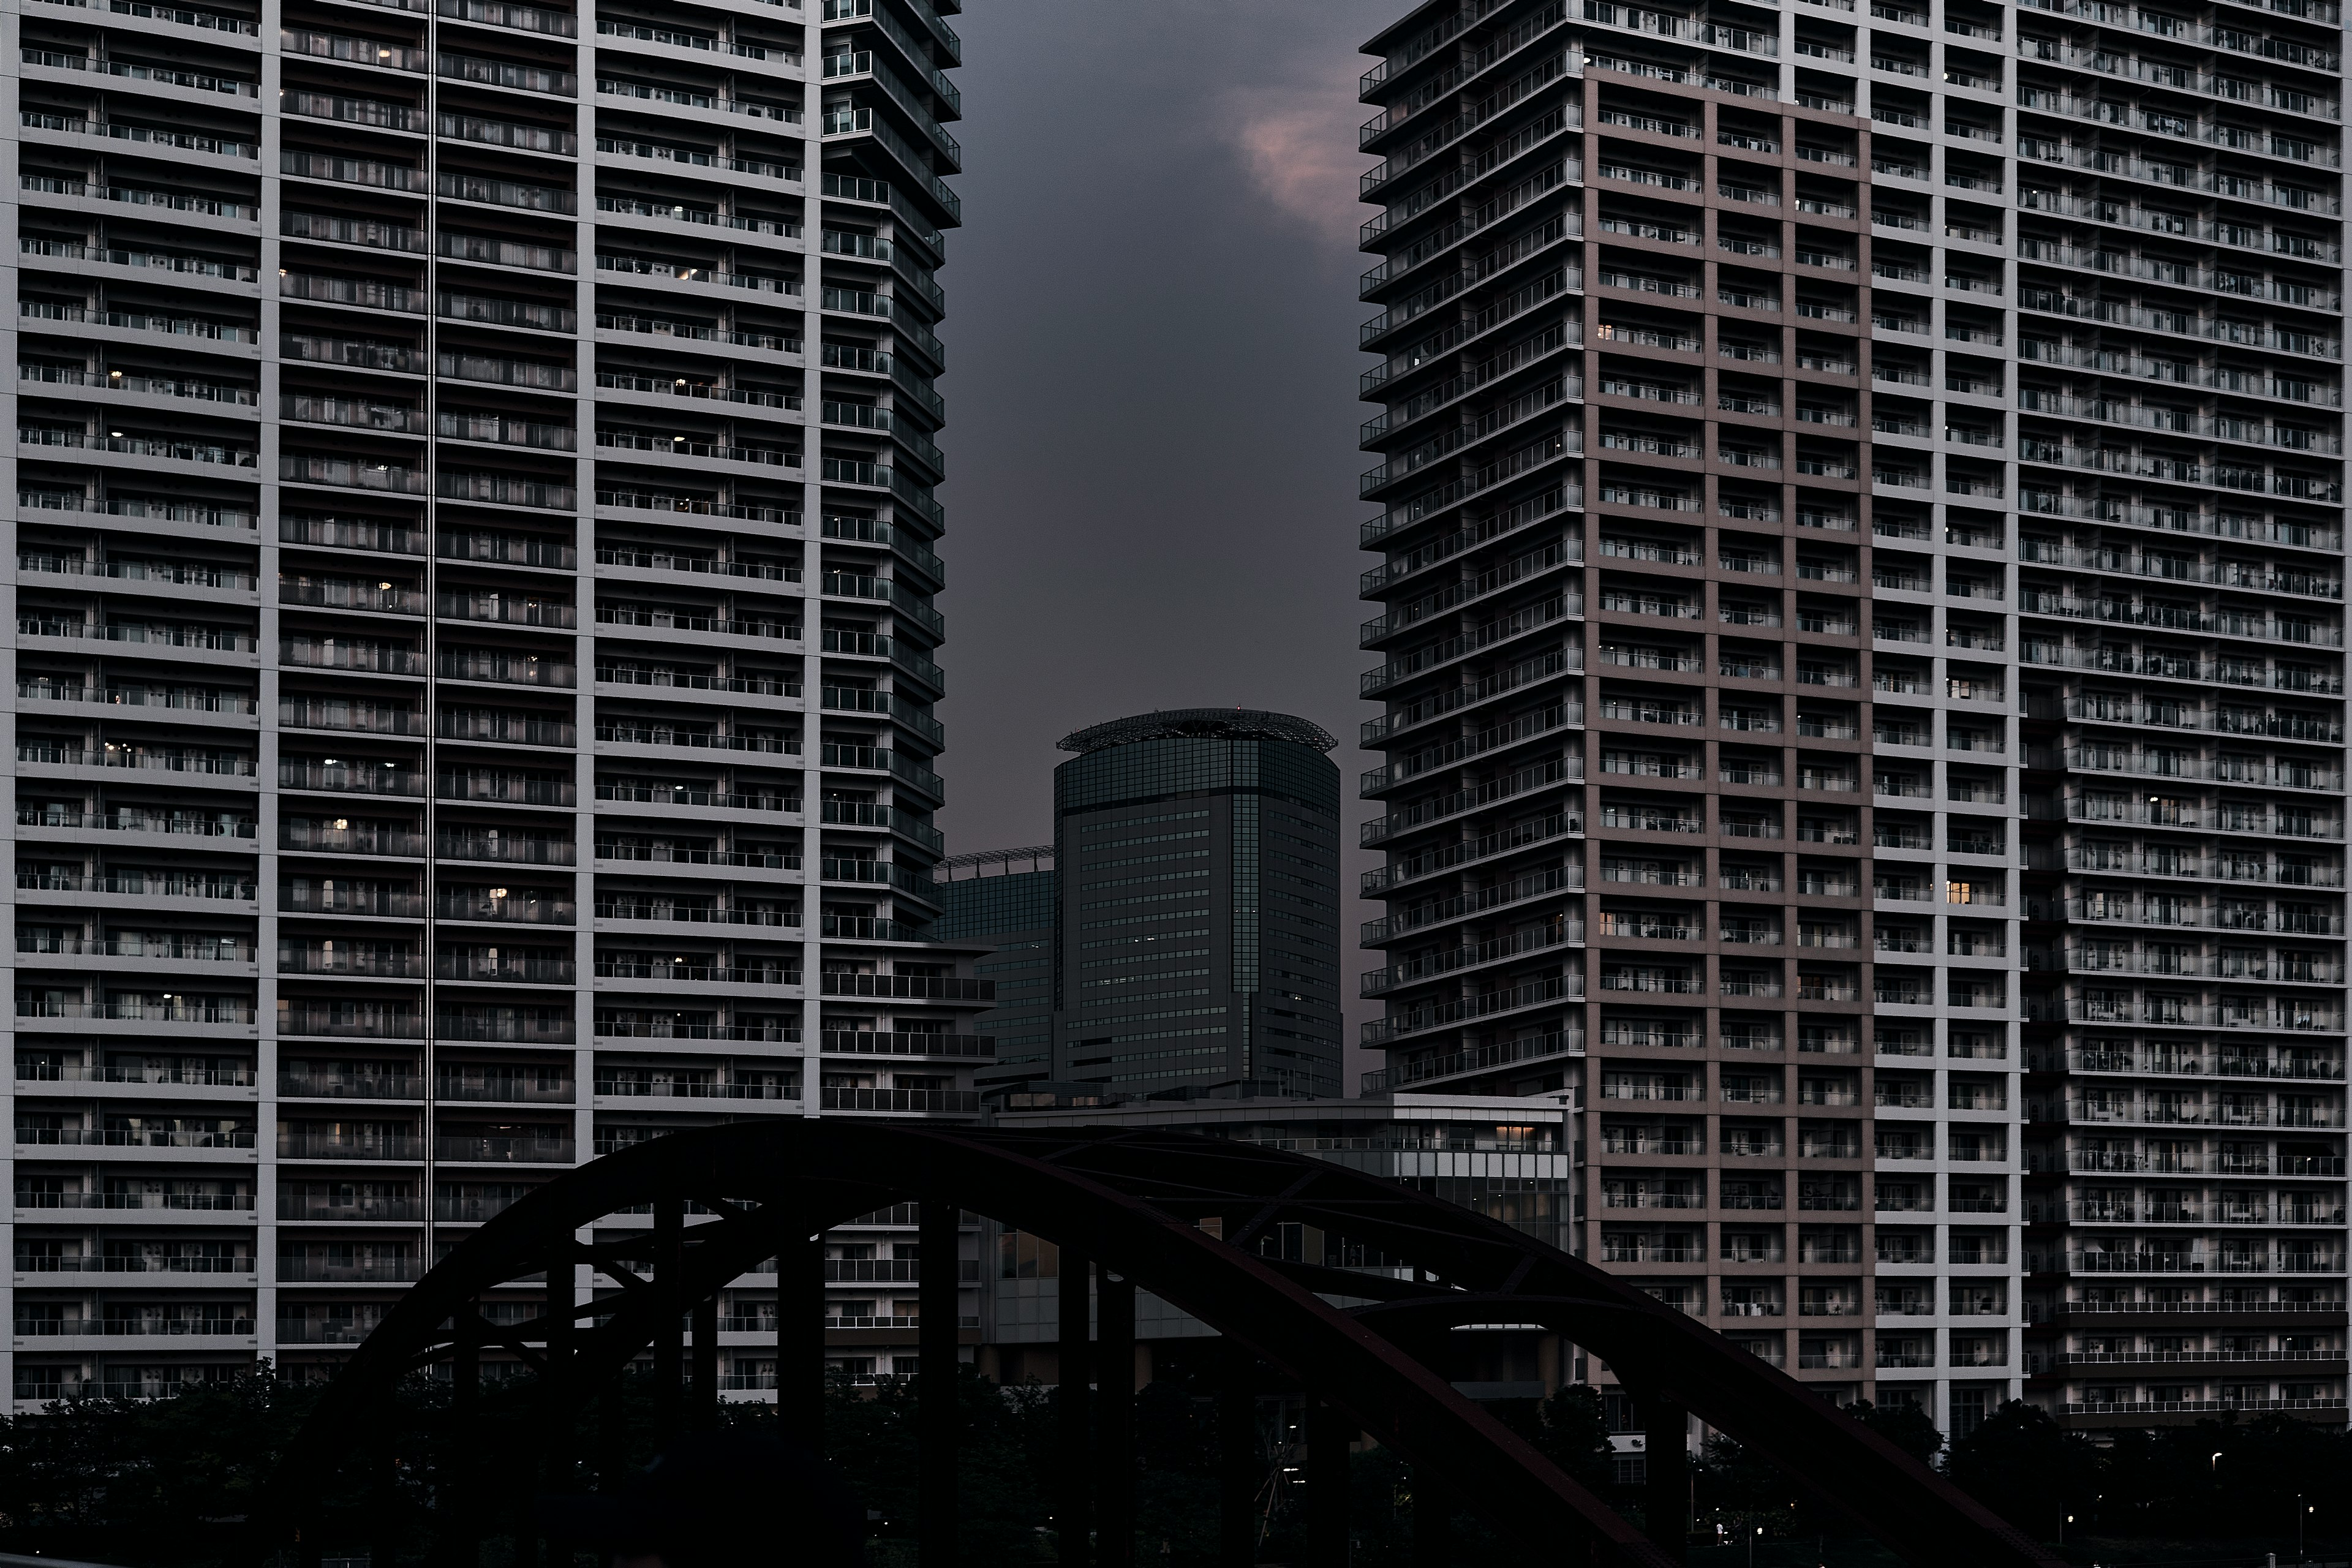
point(1298, 146)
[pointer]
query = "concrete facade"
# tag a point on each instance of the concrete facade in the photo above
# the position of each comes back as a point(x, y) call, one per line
point(1860, 578)
point(473, 655)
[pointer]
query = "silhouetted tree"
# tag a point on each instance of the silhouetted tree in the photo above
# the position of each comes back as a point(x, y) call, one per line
point(1904, 1425)
point(2020, 1465)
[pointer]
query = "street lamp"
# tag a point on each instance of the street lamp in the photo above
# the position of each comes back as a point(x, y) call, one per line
point(2303, 1512)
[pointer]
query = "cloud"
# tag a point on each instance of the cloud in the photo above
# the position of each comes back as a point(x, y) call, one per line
point(1297, 145)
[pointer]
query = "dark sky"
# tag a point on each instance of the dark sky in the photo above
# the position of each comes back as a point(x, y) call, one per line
point(1152, 391)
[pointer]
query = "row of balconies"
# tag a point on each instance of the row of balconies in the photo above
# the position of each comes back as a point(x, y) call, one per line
point(2144, 1259)
point(2191, 617)
point(2250, 671)
point(1825, 1193)
point(2157, 1058)
point(1741, 1083)
point(2181, 1156)
point(501, 1081)
point(2189, 1108)
point(2182, 909)
point(2186, 1010)
point(1676, 1031)
point(2191, 1206)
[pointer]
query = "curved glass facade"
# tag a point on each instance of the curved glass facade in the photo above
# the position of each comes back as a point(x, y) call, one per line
point(1199, 937)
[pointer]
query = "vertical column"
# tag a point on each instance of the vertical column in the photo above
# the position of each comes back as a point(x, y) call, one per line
point(1074, 1505)
point(1328, 1434)
point(464, 1400)
point(559, 1393)
point(706, 1363)
point(942, 1293)
point(9, 476)
point(1433, 1519)
point(800, 1330)
point(1665, 1493)
point(1237, 1457)
point(670, 1301)
point(1115, 1420)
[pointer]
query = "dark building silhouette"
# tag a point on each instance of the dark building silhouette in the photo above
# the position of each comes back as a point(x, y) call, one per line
point(1007, 897)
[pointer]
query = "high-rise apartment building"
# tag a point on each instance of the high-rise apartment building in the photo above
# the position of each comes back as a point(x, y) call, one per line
point(474, 656)
point(1197, 852)
point(1860, 587)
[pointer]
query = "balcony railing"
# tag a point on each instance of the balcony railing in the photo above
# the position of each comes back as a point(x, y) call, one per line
point(962, 1102)
point(500, 1148)
point(911, 987)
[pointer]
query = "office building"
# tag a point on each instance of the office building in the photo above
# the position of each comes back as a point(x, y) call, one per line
point(474, 648)
point(1197, 948)
point(1859, 648)
point(1005, 899)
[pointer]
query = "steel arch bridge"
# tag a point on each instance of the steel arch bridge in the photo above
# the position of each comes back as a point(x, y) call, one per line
point(1171, 1213)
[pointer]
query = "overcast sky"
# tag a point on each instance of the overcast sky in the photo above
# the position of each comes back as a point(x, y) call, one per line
point(1152, 387)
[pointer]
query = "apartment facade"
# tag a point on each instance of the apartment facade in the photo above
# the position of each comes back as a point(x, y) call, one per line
point(474, 656)
point(1859, 588)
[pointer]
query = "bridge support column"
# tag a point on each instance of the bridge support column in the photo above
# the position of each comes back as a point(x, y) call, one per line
point(1073, 1488)
point(1237, 1456)
point(1665, 1493)
point(800, 1330)
point(936, 1415)
point(706, 1361)
point(669, 1300)
point(464, 1400)
point(1432, 1501)
point(1328, 1433)
point(558, 1388)
point(1433, 1519)
point(1115, 1420)
point(612, 1434)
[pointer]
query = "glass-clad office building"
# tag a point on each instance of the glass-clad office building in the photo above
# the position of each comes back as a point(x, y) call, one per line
point(1197, 939)
point(1007, 899)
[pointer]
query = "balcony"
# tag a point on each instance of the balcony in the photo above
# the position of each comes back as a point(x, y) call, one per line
point(508, 966)
point(885, 1042)
point(866, 928)
point(1560, 1042)
point(509, 1026)
point(704, 974)
point(1550, 991)
point(372, 960)
point(960, 1101)
point(506, 1149)
point(353, 1266)
point(909, 988)
point(678, 1085)
point(866, 814)
point(333, 1084)
point(169, 1258)
point(343, 1146)
point(522, 905)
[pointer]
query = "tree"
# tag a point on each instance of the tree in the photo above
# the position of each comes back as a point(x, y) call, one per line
point(1575, 1436)
point(1904, 1425)
point(156, 1479)
point(2020, 1465)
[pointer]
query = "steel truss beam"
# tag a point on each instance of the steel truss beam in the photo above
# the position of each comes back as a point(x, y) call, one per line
point(1179, 1216)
